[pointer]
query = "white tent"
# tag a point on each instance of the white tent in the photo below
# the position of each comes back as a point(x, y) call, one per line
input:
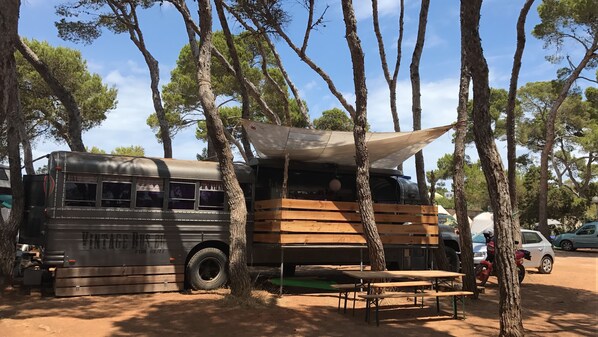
point(442, 210)
point(482, 222)
point(385, 149)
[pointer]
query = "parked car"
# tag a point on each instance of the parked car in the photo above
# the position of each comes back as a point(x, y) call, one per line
point(585, 236)
point(533, 241)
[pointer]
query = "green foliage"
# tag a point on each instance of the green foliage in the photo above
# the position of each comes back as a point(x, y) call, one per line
point(44, 113)
point(230, 116)
point(180, 95)
point(563, 203)
point(334, 119)
point(563, 20)
point(84, 20)
point(536, 100)
point(576, 147)
point(498, 111)
point(95, 150)
point(476, 189)
point(133, 150)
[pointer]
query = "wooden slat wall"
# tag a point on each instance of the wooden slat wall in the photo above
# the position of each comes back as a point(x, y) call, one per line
point(289, 221)
point(81, 281)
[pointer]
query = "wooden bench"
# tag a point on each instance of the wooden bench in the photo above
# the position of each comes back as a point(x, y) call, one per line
point(454, 294)
point(345, 289)
point(416, 285)
point(404, 284)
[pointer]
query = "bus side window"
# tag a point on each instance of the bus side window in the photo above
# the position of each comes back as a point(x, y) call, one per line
point(150, 193)
point(211, 195)
point(80, 190)
point(181, 195)
point(116, 194)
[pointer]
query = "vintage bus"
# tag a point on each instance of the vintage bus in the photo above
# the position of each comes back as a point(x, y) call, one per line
point(151, 224)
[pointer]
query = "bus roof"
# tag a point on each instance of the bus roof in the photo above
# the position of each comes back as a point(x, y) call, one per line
point(90, 163)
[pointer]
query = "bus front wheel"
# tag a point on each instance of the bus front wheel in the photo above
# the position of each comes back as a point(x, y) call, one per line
point(206, 270)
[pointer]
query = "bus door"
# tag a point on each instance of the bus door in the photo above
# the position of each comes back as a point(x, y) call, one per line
point(37, 187)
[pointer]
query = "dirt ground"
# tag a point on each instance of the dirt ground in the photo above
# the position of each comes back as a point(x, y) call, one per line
point(564, 303)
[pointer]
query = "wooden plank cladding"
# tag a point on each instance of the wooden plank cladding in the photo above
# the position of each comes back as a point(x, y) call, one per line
point(82, 281)
point(341, 206)
point(292, 221)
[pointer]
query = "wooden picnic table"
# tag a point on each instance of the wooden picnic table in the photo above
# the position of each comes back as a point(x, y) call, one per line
point(367, 277)
point(395, 274)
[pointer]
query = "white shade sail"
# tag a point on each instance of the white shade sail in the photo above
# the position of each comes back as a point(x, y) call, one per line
point(385, 149)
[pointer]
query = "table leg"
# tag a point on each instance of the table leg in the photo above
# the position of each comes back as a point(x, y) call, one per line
point(455, 307)
point(281, 271)
point(437, 299)
point(377, 319)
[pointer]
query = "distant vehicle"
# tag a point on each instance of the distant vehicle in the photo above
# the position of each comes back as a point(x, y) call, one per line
point(533, 241)
point(585, 236)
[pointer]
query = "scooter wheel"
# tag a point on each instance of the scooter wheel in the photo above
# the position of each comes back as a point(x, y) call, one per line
point(521, 273)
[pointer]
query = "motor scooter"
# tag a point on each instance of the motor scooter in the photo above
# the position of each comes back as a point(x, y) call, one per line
point(483, 270)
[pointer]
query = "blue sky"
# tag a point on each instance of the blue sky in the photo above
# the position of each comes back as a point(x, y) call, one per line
point(116, 59)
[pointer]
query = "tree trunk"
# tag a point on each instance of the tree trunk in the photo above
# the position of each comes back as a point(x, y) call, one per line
point(74, 129)
point(420, 170)
point(511, 141)
point(154, 70)
point(27, 153)
point(509, 300)
point(239, 273)
point(433, 181)
point(11, 115)
point(364, 196)
point(469, 282)
point(547, 150)
point(390, 81)
point(245, 104)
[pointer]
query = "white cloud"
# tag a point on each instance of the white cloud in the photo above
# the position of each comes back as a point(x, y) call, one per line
point(363, 9)
point(126, 124)
point(439, 107)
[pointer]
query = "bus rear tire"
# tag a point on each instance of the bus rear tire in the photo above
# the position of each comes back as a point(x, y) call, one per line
point(207, 269)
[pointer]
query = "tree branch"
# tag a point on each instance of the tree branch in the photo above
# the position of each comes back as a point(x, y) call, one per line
point(294, 90)
point(74, 124)
point(309, 26)
point(310, 63)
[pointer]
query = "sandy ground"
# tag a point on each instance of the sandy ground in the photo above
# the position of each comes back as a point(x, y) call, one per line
point(564, 303)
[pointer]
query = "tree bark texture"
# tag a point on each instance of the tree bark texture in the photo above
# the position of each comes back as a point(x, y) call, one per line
point(509, 300)
point(74, 128)
point(245, 104)
point(550, 134)
point(239, 273)
point(12, 116)
point(420, 170)
point(27, 152)
point(469, 281)
point(129, 20)
point(511, 141)
point(390, 81)
point(364, 195)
